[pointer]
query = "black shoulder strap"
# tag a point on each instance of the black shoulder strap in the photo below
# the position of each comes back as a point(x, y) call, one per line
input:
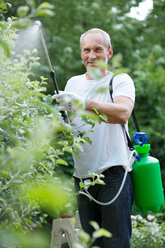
point(130, 145)
point(133, 112)
point(135, 121)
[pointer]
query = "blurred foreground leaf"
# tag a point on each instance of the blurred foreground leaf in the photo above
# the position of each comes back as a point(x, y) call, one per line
point(51, 196)
point(6, 48)
point(24, 239)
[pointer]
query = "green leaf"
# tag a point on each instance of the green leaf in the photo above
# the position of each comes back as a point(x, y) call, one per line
point(99, 181)
point(102, 64)
point(93, 174)
point(63, 143)
point(103, 117)
point(76, 153)
point(84, 236)
point(3, 5)
point(96, 110)
point(67, 149)
point(6, 48)
point(51, 158)
point(94, 224)
point(101, 90)
point(22, 11)
point(101, 233)
point(87, 182)
point(78, 245)
point(88, 140)
point(21, 23)
point(46, 5)
point(61, 161)
point(5, 174)
point(78, 146)
point(2, 25)
point(45, 12)
point(81, 184)
point(9, 5)
point(95, 73)
point(31, 3)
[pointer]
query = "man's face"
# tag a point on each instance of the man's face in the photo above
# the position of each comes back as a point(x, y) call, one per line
point(93, 49)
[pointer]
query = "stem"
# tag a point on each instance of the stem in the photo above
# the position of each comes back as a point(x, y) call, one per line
point(7, 184)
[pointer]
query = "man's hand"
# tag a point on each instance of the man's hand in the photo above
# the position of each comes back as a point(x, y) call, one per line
point(69, 101)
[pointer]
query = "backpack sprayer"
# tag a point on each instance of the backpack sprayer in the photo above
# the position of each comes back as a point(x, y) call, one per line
point(52, 72)
point(146, 176)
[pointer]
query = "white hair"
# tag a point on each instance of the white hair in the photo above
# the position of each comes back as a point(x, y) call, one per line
point(106, 36)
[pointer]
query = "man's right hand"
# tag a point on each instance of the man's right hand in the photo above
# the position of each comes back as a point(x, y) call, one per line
point(70, 101)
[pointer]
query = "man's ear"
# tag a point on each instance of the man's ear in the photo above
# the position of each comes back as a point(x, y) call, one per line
point(110, 52)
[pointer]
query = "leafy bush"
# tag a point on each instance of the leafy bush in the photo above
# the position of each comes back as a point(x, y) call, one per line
point(147, 232)
point(34, 139)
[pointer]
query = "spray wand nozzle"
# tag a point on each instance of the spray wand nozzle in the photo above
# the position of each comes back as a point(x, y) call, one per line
point(37, 23)
point(52, 72)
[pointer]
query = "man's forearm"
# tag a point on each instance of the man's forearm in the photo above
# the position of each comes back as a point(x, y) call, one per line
point(117, 112)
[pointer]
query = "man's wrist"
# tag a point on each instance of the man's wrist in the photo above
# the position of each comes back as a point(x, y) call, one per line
point(90, 105)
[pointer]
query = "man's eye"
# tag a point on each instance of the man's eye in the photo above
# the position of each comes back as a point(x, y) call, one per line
point(86, 50)
point(98, 49)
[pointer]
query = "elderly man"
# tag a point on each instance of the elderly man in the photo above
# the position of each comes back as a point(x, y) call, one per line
point(108, 154)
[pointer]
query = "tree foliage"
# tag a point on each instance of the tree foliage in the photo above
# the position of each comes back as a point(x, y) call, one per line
point(33, 141)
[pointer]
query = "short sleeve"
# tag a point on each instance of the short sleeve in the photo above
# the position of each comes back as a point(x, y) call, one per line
point(68, 86)
point(123, 85)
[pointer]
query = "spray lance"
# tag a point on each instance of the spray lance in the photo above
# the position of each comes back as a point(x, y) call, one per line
point(52, 72)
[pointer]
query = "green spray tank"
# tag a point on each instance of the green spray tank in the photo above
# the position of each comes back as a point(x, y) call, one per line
point(147, 182)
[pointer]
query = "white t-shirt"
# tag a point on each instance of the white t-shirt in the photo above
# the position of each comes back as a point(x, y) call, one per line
point(109, 144)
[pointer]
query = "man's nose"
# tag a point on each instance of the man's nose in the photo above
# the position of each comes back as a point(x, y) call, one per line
point(92, 55)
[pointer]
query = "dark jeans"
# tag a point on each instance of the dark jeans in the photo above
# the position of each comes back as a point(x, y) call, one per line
point(116, 218)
